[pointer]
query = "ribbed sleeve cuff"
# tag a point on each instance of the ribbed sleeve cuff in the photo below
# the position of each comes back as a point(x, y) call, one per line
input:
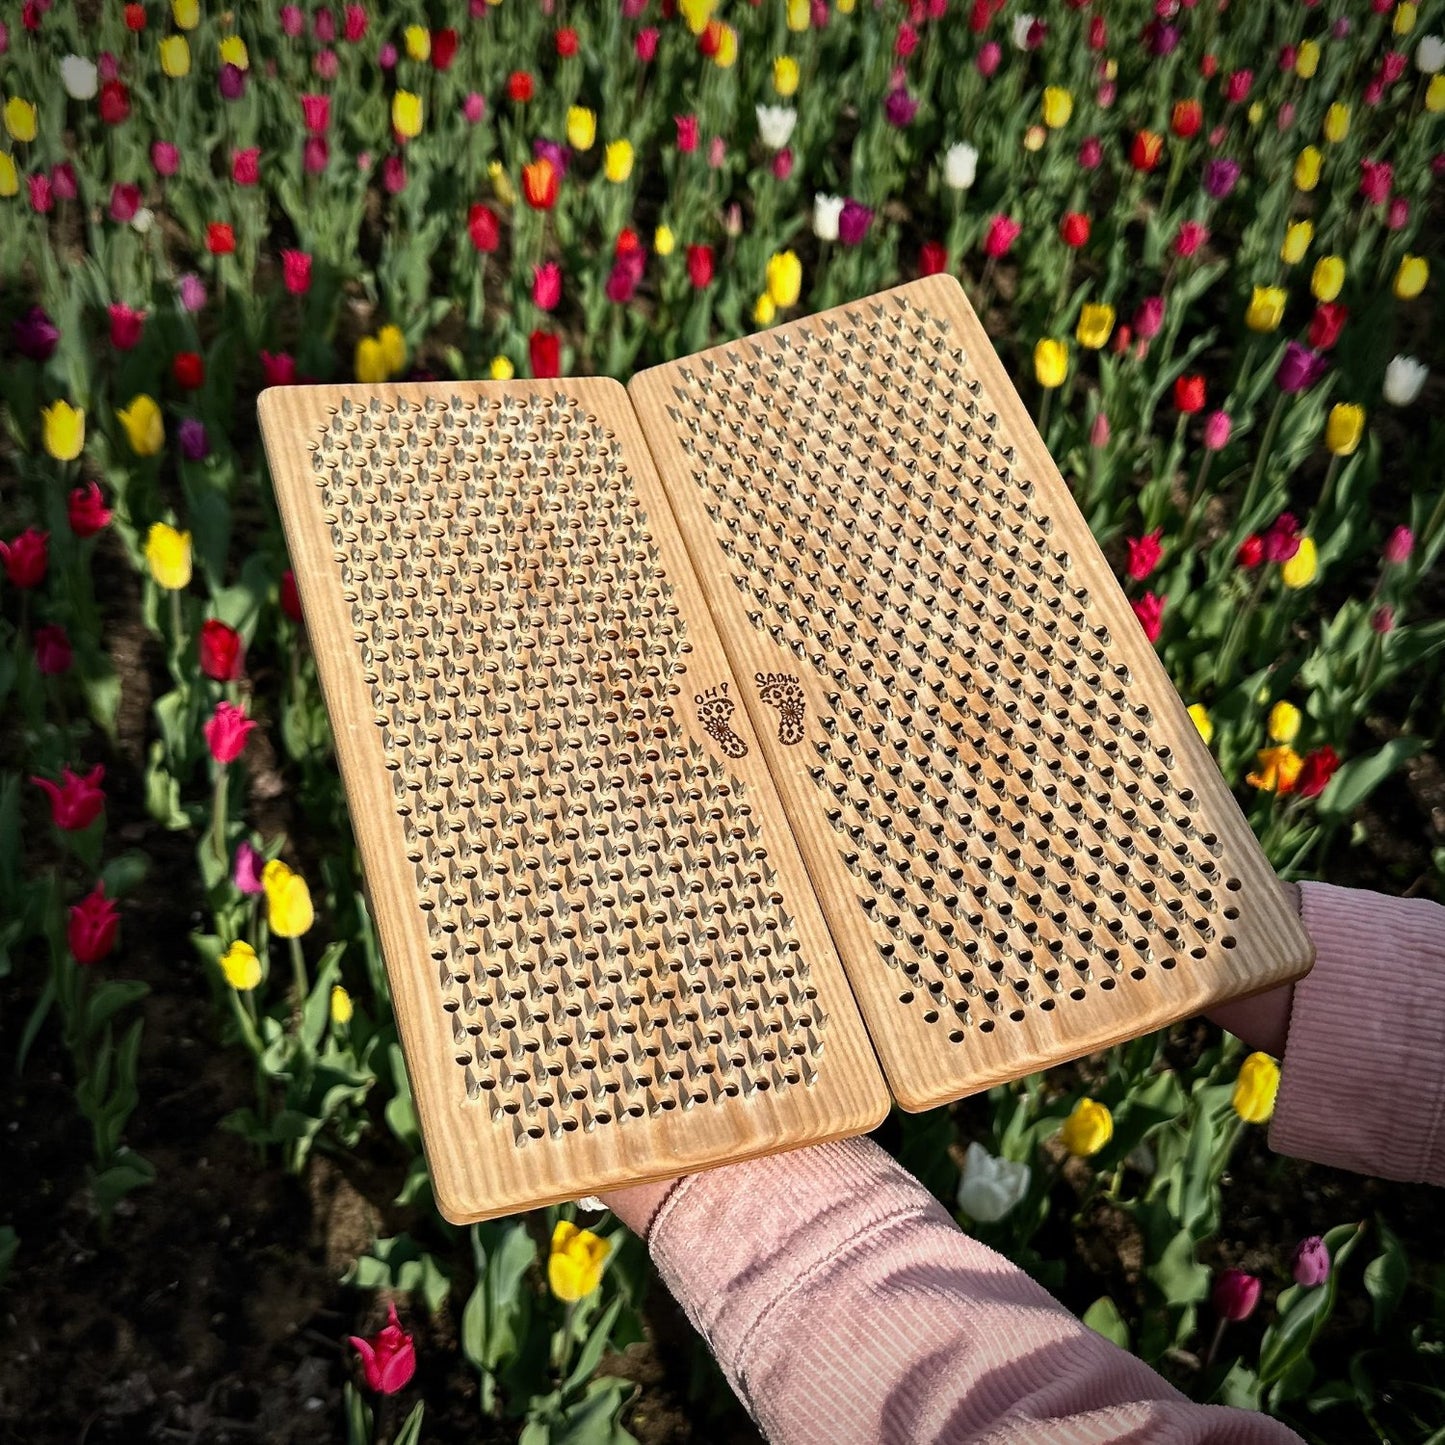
point(1363, 1084)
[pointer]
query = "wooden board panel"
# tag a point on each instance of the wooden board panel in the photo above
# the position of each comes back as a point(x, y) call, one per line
point(1024, 849)
point(607, 961)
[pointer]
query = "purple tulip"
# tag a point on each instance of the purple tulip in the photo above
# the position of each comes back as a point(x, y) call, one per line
point(1299, 369)
point(192, 291)
point(1159, 38)
point(35, 335)
point(1220, 176)
point(899, 108)
point(1311, 1263)
point(545, 149)
point(1235, 1295)
point(232, 82)
point(195, 444)
point(853, 222)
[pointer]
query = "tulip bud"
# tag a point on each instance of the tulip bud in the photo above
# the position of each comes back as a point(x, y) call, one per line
point(1311, 1263)
point(1399, 546)
point(1235, 1295)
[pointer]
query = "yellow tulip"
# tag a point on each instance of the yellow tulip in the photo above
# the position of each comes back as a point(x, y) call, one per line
point(1307, 59)
point(1328, 278)
point(502, 186)
point(20, 119)
point(288, 900)
point(799, 15)
point(145, 429)
point(1034, 138)
point(186, 13)
point(501, 368)
point(1087, 1129)
point(63, 429)
point(581, 128)
point(1276, 769)
point(846, 7)
point(417, 39)
point(1058, 106)
point(1284, 722)
point(9, 176)
point(1337, 123)
point(1410, 279)
point(1297, 238)
point(1111, 69)
point(341, 1006)
point(233, 52)
point(727, 48)
point(1255, 1089)
point(696, 13)
point(785, 75)
point(1435, 94)
point(370, 362)
point(785, 278)
point(576, 1259)
point(1406, 14)
point(1307, 169)
point(1266, 308)
point(1300, 570)
point(406, 114)
point(1255, 113)
point(176, 56)
point(1203, 723)
point(1096, 322)
point(663, 241)
point(1051, 362)
point(393, 348)
point(764, 309)
point(168, 555)
point(1344, 427)
point(241, 966)
point(617, 161)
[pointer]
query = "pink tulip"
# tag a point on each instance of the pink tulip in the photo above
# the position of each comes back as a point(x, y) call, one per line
point(53, 653)
point(1399, 546)
point(546, 285)
point(1217, 427)
point(388, 1358)
point(75, 802)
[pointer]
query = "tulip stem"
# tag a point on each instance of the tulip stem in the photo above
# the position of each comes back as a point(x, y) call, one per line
point(175, 623)
point(1043, 421)
point(1214, 1344)
point(563, 1352)
point(1271, 427)
point(298, 972)
point(1190, 512)
point(218, 815)
point(1327, 490)
point(1224, 665)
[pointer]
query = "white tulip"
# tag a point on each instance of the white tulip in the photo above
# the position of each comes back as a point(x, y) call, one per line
point(1022, 25)
point(1404, 378)
point(826, 210)
point(775, 124)
point(960, 166)
point(79, 77)
point(143, 220)
point(1429, 54)
point(990, 1187)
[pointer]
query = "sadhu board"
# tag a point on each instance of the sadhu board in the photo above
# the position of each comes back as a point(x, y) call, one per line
point(731, 753)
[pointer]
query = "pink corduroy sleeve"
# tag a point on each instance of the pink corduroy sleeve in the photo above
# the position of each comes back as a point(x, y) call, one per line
point(1363, 1085)
point(846, 1307)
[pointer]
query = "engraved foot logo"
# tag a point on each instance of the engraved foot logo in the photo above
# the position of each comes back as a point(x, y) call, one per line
point(782, 691)
point(714, 712)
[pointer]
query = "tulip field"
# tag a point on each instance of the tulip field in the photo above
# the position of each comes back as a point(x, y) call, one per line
point(1205, 238)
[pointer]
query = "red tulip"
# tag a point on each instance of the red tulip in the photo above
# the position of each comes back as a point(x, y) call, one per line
point(546, 354)
point(220, 239)
point(1192, 235)
point(520, 87)
point(189, 370)
point(1319, 767)
point(1187, 117)
point(566, 41)
point(1074, 229)
point(443, 48)
point(1144, 153)
point(296, 271)
point(699, 266)
point(226, 732)
point(1237, 84)
point(686, 132)
point(1098, 33)
point(126, 324)
point(1327, 323)
point(53, 654)
point(26, 558)
point(540, 184)
point(115, 99)
point(135, 17)
point(1235, 1295)
point(221, 651)
point(93, 923)
point(1149, 609)
point(290, 599)
point(484, 228)
point(86, 510)
point(1189, 394)
point(1251, 552)
point(1002, 232)
point(246, 166)
point(316, 113)
point(388, 1358)
point(75, 802)
point(1144, 554)
point(933, 258)
point(278, 368)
